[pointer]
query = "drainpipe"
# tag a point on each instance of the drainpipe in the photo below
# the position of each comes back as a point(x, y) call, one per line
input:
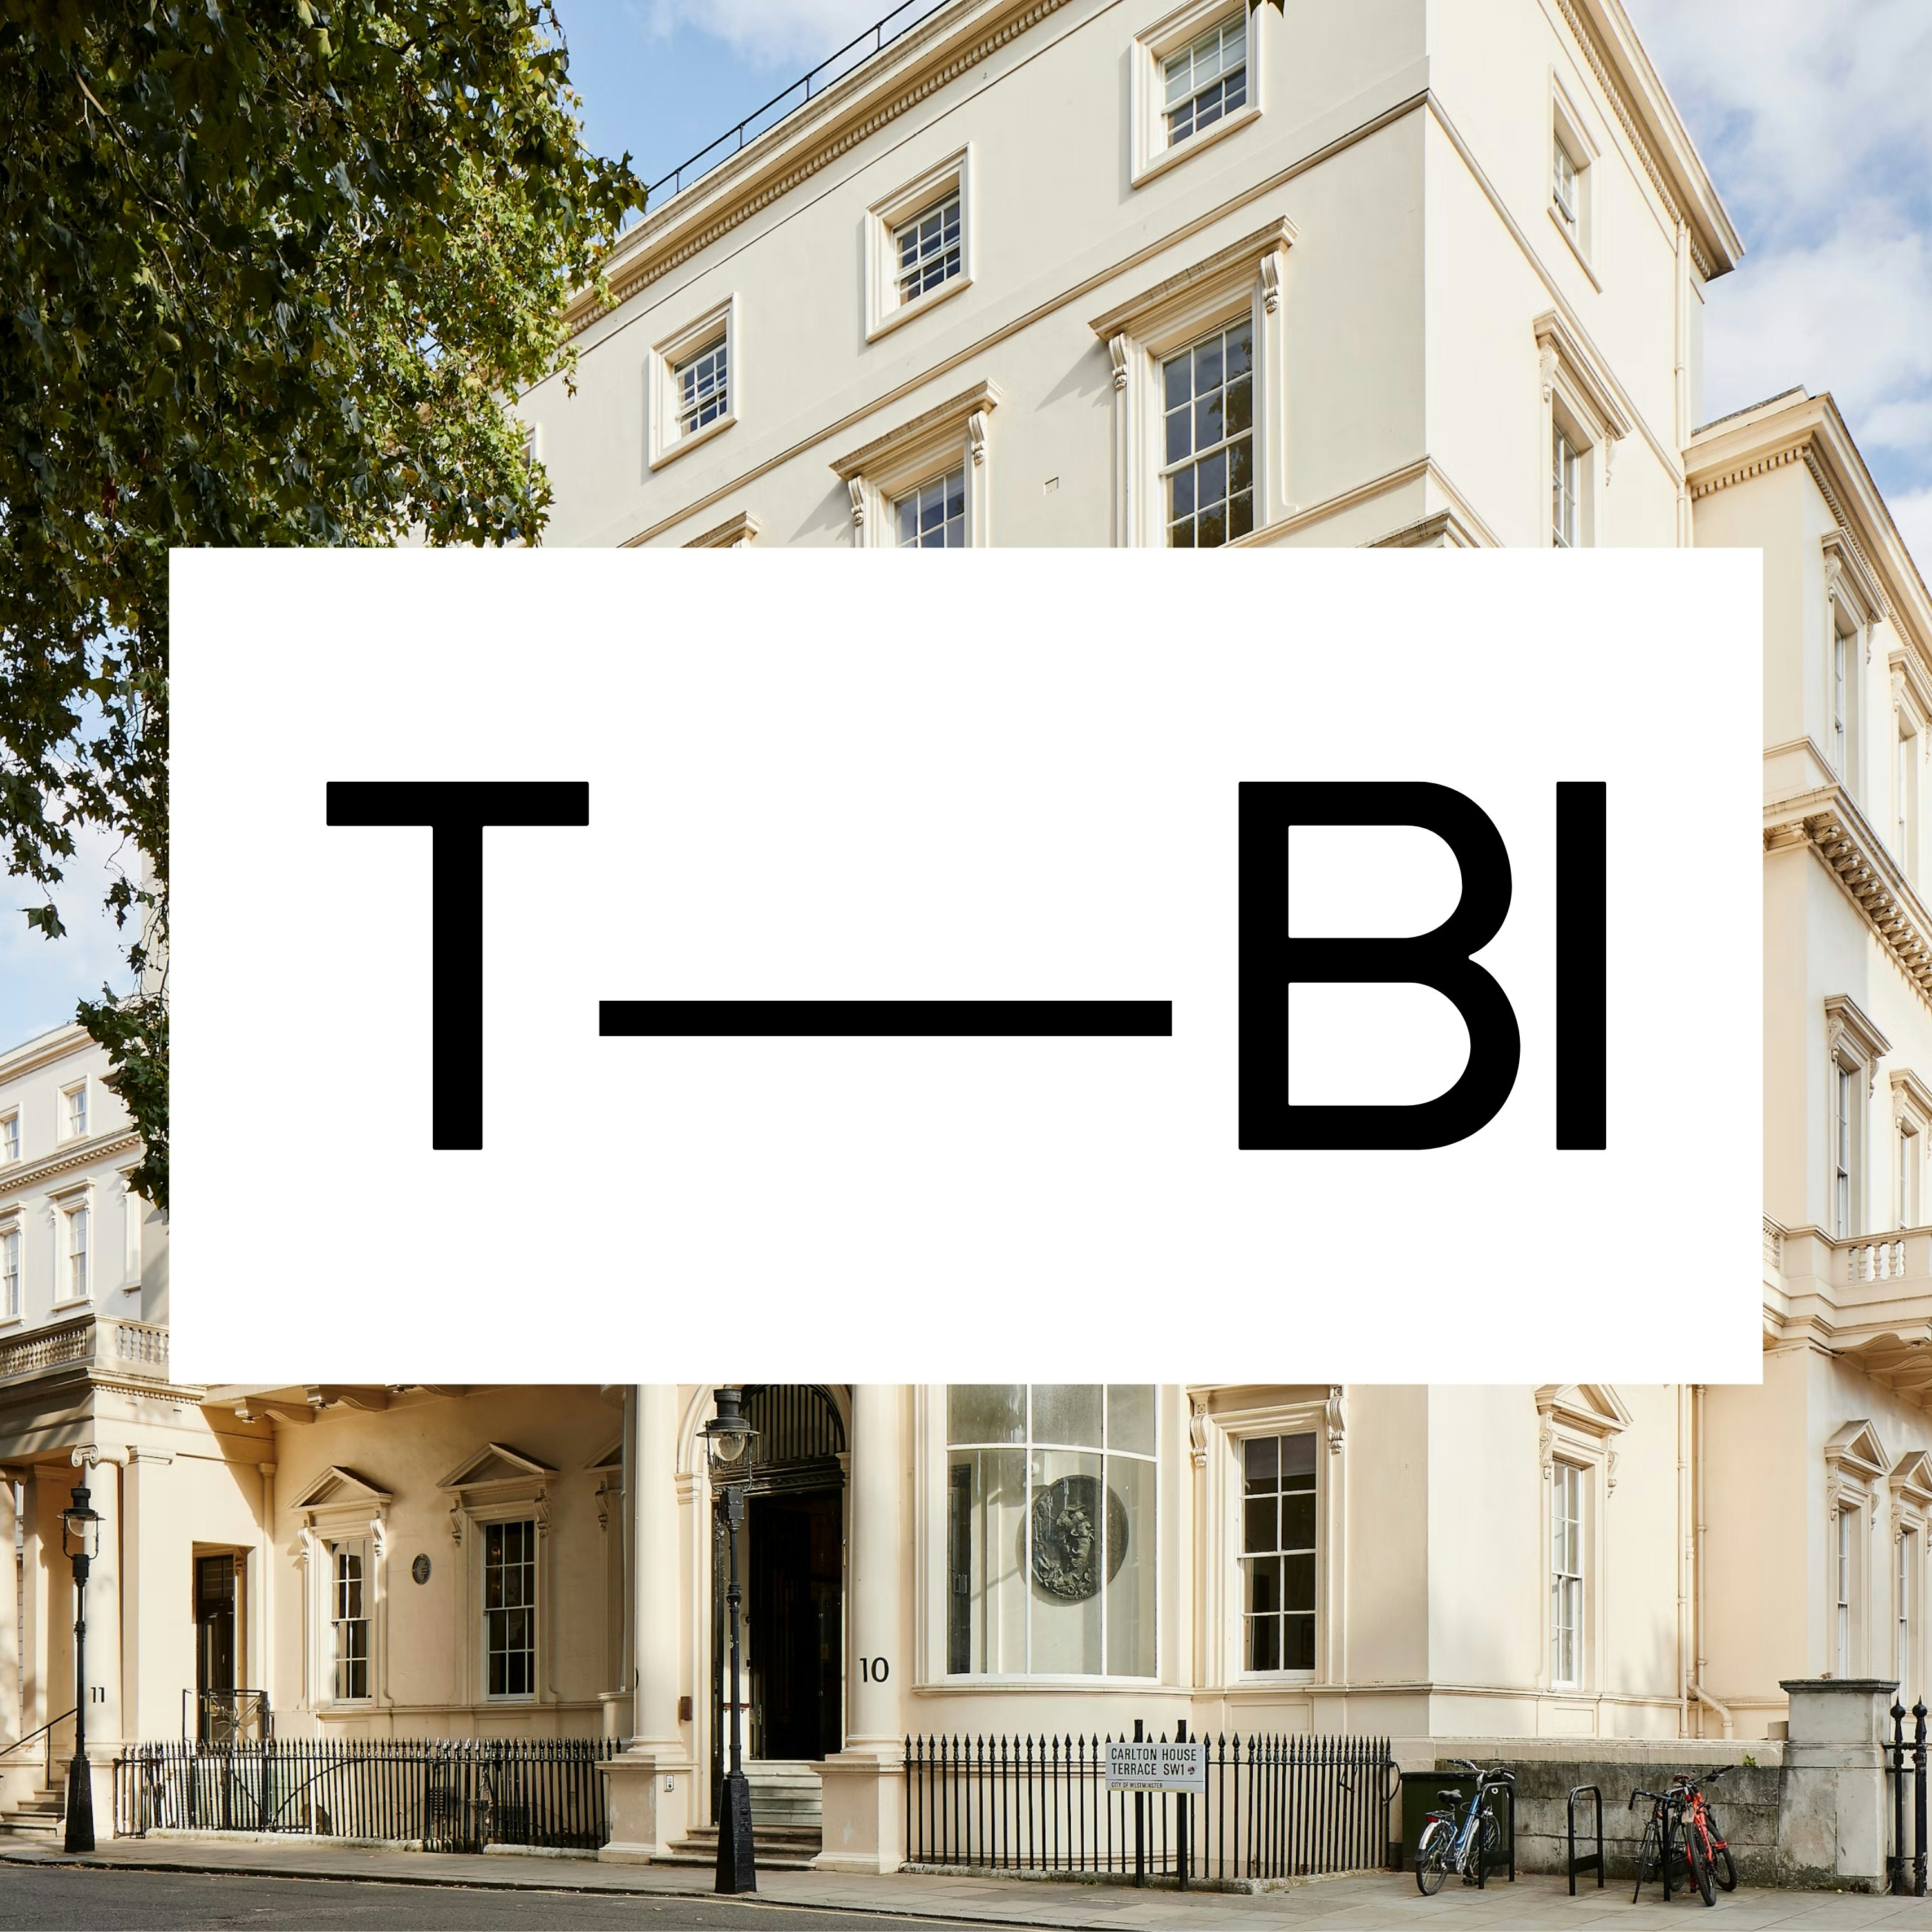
point(1684, 1672)
point(1697, 1690)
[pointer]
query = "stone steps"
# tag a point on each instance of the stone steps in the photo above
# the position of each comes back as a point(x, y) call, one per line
point(40, 1816)
point(778, 1848)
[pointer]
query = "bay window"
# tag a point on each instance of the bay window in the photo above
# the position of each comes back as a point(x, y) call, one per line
point(1050, 1529)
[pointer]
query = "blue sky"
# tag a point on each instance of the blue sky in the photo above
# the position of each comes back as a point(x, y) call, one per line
point(1812, 120)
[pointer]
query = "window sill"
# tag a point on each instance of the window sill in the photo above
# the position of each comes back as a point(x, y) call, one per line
point(686, 443)
point(12, 1321)
point(1195, 144)
point(910, 311)
point(1562, 228)
point(78, 1301)
point(994, 1681)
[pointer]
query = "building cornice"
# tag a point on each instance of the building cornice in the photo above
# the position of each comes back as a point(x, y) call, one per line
point(928, 57)
point(23, 1179)
point(1810, 430)
point(1846, 844)
point(1651, 124)
point(42, 1051)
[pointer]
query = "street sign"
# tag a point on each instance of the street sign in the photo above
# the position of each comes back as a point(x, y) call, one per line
point(1157, 1767)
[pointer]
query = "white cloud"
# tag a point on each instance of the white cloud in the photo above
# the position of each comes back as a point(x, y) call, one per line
point(1806, 106)
point(1814, 122)
point(772, 33)
point(1848, 312)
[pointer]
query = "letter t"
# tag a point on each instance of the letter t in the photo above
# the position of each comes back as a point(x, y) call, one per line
point(456, 813)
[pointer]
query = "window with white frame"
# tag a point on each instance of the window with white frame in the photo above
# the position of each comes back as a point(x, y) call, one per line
point(1572, 152)
point(1854, 1047)
point(1566, 1577)
point(73, 1111)
point(918, 244)
point(693, 384)
point(1844, 1113)
point(348, 1622)
point(1844, 690)
point(1566, 459)
point(1583, 423)
point(1050, 1530)
point(1563, 183)
point(932, 515)
point(10, 1275)
point(10, 1137)
point(1208, 470)
point(1845, 1575)
point(703, 384)
point(1205, 80)
point(924, 485)
point(510, 1609)
point(1278, 1551)
point(1195, 79)
point(929, 248)
point(76, 1274)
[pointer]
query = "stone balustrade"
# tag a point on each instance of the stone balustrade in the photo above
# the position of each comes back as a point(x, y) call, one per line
point(99, 1341)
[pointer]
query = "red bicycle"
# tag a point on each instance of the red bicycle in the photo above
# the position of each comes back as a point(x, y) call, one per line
point(1710, 1855)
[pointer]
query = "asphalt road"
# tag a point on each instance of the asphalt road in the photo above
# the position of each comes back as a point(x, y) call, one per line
point(45, 1898)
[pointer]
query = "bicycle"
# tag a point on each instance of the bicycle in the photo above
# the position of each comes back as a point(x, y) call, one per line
point(1660, 1847)
point(1700, 1827)
point(1467, 1844)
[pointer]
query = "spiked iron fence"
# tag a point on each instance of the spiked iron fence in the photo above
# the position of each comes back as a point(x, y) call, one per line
point(1274, 1807)
point(447, 1795)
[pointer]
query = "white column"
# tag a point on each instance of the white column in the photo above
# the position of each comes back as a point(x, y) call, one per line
point(864, 1824)
point(655, 1648)
point(650, 1786)
point(104, 1610)
point(877, 1579)
point(11, 1729)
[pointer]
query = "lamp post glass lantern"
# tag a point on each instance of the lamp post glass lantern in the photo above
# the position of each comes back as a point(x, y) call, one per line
point(727, 1441)
point(80, 1529)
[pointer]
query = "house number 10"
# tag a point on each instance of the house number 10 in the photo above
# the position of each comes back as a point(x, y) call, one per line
point(874, 1670)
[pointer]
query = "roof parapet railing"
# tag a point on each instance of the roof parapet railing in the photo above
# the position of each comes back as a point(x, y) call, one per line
point(835, 67)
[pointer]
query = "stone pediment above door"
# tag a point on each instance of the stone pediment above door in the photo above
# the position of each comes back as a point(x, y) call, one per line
point(496, 1462)
point(339, 1488)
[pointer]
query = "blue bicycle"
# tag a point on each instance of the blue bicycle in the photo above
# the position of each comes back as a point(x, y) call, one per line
point(1460, 1839)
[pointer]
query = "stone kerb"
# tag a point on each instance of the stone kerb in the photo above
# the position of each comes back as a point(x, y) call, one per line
point(1831, 1822)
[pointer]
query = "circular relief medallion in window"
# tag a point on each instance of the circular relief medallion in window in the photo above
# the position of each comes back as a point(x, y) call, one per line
point(1067, 1537)
point(419, 1569)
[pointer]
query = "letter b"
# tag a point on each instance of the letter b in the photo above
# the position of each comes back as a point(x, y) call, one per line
point(1270, 959)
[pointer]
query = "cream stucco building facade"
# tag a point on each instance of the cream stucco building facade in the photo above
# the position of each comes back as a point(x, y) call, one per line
point(1438, 273)
point(1408, 265)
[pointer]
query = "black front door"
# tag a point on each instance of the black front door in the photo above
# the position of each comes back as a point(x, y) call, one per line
point(794, 1604)
point(214, 1630)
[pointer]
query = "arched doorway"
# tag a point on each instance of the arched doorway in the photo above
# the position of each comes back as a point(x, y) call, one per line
point(792, 1568)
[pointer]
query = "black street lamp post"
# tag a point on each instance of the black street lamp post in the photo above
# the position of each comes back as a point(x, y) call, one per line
point(81, 1532)
point(727, 1435)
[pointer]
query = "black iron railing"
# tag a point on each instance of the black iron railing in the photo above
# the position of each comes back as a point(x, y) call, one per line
point(835, 67)
point(1273, 1807)
point(447, 1795)
point(1906, 1766)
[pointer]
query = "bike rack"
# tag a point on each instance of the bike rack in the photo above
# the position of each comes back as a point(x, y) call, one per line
point(1482, 1876)
point(1590, 1861)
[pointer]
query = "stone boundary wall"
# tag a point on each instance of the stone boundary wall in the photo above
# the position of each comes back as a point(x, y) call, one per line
point(1746, 1799)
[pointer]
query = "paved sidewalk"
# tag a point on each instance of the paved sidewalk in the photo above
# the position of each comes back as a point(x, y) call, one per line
point(1328, 1905)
